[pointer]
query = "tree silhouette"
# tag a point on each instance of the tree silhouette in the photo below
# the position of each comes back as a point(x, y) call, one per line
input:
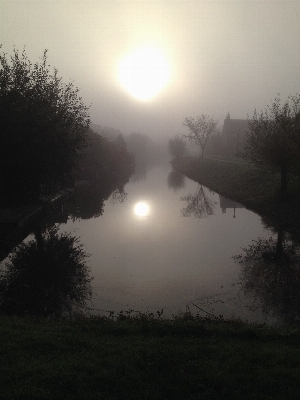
point(45, 277)
point(200, 130)
point(273, 138)
point(43, 125)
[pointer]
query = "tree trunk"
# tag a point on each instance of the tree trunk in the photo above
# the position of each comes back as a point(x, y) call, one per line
point(279, 244)
point(39, 238)
point(284, 180)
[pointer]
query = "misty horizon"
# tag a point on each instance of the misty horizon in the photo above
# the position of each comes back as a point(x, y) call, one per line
point(220, 56)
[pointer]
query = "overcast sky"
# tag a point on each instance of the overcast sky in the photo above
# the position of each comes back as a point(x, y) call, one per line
point(223, 56)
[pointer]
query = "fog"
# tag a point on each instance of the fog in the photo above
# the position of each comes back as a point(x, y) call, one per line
point(224, 56)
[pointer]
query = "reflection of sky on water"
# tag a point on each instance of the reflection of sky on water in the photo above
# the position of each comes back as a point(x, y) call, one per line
point(163, 259)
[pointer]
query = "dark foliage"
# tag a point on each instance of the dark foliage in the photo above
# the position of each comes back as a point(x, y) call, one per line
point(88, 202)
point(43, 124)
point(45, 277)
point(104, 161)
point(274, 138)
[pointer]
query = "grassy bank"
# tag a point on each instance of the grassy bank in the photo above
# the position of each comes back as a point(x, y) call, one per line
point(255, 188)
point(143, 358)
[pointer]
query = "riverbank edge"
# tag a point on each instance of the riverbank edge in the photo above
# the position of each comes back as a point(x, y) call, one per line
point(255, 188)
point(146, 357)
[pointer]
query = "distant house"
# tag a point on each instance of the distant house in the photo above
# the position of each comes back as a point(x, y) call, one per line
point(234, 133)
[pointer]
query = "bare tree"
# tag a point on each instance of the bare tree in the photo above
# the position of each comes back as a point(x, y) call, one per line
point(200, 130)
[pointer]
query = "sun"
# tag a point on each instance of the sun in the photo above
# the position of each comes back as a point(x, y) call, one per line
point(141, 209)
point(144, 72)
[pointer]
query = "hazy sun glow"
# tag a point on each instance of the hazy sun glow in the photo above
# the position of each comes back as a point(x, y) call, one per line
point(141, 209)
point(144, 72)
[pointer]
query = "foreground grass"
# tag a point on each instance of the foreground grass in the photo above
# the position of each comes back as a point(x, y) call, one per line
point(255, 188)
point(146, 358)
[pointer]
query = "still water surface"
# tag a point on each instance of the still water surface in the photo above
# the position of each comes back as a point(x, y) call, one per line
point(169, 245)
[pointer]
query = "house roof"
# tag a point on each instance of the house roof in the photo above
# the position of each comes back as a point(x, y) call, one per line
point(234, 126)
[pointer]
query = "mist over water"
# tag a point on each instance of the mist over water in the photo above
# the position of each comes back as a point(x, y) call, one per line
point(162, 244)
point(173, 254)
point(162, 241)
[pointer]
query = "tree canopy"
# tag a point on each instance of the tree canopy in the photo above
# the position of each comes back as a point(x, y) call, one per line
point(274, 137)
point(200, 130)
point(104, 161)
point(47, 276)
point(43, 124)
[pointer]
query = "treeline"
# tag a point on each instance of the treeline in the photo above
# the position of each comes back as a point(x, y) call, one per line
point(103, 160)
point(271, 141)
point(45, 138)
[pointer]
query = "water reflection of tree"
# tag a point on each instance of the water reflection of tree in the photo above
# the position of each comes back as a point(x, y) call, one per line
point(89, 202)
point(176, 180)
point(198, 205)
point(271, 276)
point(140, 173)
point(45, 277)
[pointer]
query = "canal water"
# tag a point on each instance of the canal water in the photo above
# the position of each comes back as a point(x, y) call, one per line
point(168, 244)
point(161, 244)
